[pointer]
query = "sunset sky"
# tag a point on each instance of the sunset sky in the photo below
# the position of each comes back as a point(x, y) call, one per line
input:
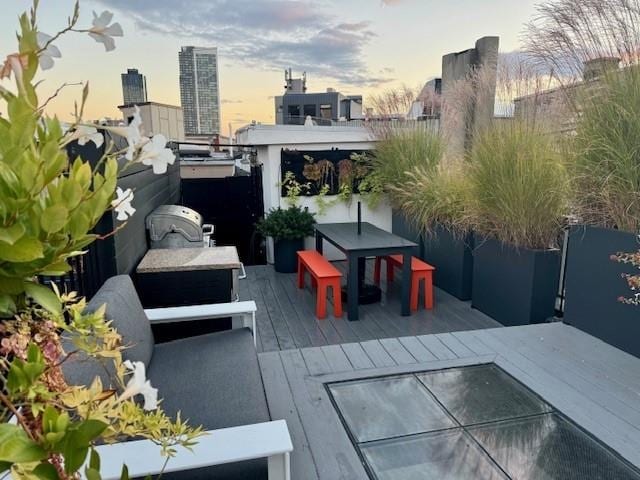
point(355, 46)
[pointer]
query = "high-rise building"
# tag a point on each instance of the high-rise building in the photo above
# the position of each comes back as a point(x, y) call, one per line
point(199, 90)
point(134, 87)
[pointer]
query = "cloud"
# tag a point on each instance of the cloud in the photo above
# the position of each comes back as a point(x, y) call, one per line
point(388, 3)
point(270, 34)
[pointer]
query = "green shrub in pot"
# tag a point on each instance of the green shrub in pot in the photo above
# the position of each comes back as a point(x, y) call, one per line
point(288, 228)
point(517, 198)
point(605, 174)
point(605, 163)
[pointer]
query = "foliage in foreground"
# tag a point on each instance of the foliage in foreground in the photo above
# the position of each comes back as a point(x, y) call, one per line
point(48, 207)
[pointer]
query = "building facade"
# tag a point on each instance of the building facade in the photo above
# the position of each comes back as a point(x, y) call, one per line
point(296, 104)
point(157, 118)
point(134, 87)
point(199, 90)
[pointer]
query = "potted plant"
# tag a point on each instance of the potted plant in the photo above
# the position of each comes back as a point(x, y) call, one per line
point(606, 194)
point(426, 193)
point(516, 202)
point(48, 207)
point(288, 228)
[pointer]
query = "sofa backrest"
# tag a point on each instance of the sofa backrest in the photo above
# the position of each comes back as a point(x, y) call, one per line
point(124, 309)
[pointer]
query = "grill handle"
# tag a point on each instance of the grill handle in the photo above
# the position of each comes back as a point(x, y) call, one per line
point(208, 229)
point(243, 275)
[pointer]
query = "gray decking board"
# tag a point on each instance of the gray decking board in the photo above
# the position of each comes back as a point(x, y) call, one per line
point(286, 315)
point(357, 356)
point(330, 446)
point(283, 407)
point(455, 345)
point(377, 353)
point(435, 346)
point(561, 364)
point(336, 358)
point(417, 349)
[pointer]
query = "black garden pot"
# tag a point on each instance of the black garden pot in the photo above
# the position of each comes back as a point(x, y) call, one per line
point(453, 258)
point(514, 286)
point(594, 282)
point(403, 228)
point(284, 252)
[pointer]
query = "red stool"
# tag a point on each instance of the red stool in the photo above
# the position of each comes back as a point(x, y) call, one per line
point(420, 271)
point(323, 276)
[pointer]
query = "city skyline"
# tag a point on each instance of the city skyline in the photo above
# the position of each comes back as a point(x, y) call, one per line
point(359, 46)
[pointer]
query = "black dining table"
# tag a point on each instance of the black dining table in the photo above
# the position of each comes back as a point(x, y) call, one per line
point(371, 241)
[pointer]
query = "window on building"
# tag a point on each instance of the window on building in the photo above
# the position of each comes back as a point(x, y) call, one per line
point(326, 111)
point(293, 111)
point(310, 110)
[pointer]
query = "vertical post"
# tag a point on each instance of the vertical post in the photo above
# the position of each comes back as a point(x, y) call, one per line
point(359, 218)
point(318, 242)
point(352, 286)
point(279, 467)
point(406, 282)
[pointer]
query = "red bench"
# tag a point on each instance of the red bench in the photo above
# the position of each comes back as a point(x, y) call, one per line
point(324, 275)
point(419, 271)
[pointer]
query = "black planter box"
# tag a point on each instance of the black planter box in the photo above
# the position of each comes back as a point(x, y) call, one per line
point(593, 284)
point(514, 287)
point(285, 258)
point(453, 258)
point(402, 227)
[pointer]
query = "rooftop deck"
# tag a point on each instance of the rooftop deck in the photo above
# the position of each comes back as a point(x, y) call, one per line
point(594, 384)
point(286, 315)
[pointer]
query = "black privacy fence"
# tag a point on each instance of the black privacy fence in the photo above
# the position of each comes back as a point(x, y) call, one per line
point(326, 172)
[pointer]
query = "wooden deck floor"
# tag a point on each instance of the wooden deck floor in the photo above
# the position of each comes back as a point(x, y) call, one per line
point(594, 384)
point(286, 315)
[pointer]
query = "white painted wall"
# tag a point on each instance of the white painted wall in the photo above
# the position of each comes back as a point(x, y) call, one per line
point(269, 141)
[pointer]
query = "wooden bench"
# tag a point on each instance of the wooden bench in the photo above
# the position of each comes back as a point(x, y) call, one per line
point(420, 271)
point(324, 275)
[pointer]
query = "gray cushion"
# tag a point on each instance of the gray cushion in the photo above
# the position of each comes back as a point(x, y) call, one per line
point(213, 380)
point(128, 317)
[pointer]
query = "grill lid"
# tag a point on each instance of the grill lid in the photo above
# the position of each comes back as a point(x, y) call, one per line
point(174, 219)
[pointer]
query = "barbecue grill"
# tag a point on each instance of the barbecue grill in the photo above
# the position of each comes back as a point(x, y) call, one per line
point(175, 226)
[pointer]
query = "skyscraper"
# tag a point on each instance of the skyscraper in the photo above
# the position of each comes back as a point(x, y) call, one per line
point(199, 91)
point(134, 87)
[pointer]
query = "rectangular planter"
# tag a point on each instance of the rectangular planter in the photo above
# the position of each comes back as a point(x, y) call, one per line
point(453, 259)
point(593, 284)
point(514, 287)
point(402, 227)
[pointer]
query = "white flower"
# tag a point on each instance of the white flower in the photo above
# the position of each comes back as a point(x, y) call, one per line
point(122, 204)
point(154, 153)
point(85, 133)
point(131, 132)
point(139, 385)
point(103, 32)
point(49, 53)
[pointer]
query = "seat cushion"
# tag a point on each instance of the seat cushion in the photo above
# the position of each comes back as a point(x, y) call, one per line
point(213, 380)
point(124, 309)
